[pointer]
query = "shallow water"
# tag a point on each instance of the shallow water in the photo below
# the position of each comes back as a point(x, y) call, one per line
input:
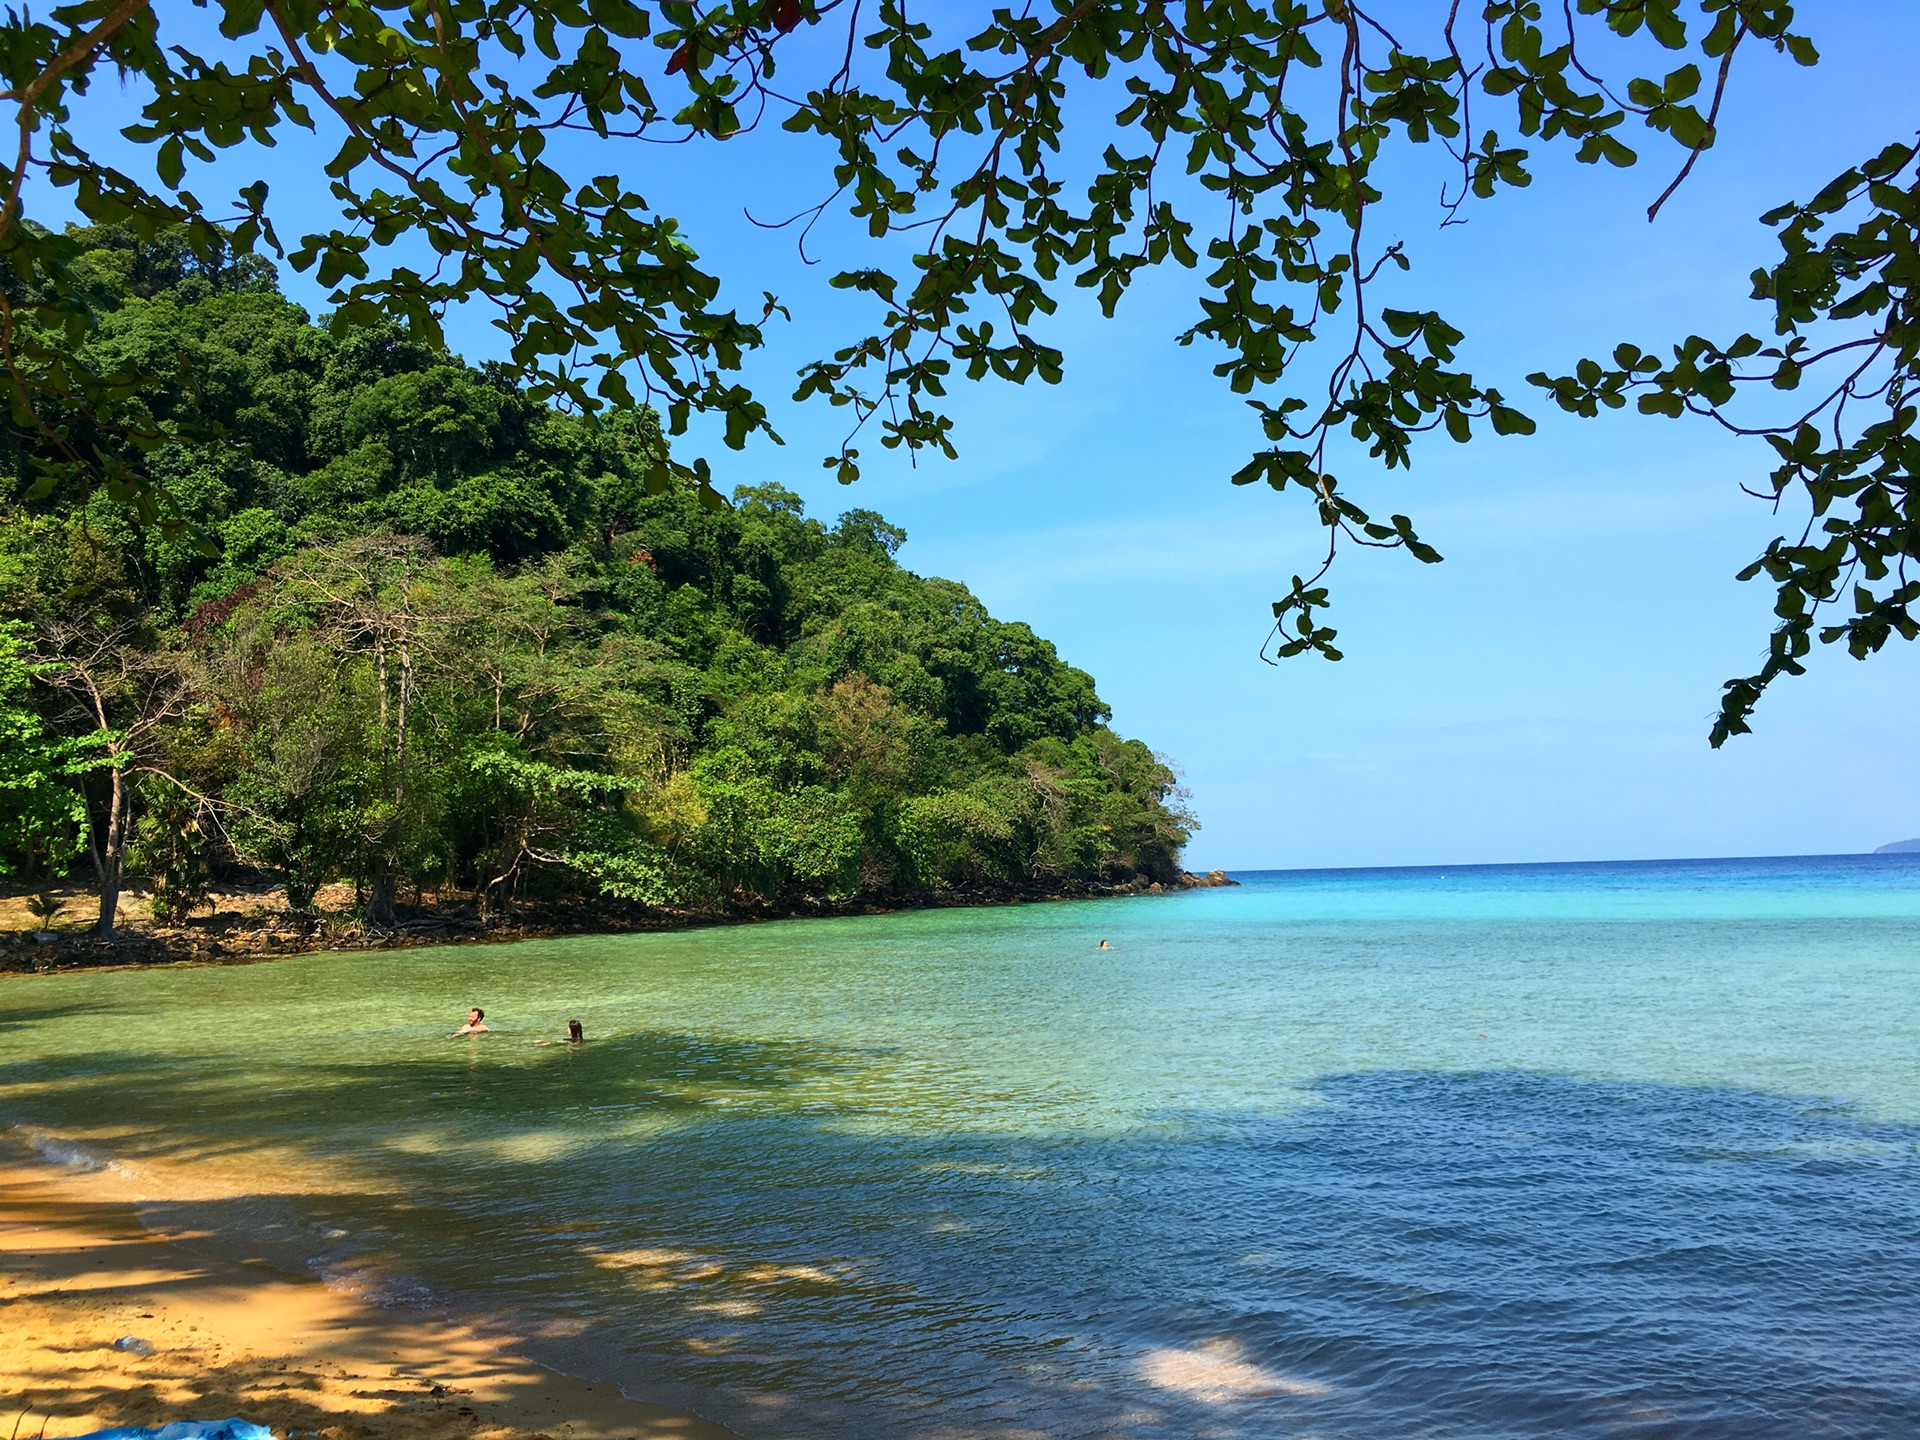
point(1489, 1152)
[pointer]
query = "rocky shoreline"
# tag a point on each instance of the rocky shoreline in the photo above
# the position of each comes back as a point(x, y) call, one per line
point(247, 926)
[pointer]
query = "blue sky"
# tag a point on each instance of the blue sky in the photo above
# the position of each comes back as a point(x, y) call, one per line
point(1542, 695)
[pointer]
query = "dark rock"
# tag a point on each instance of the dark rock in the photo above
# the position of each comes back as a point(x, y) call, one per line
point(1210, 879)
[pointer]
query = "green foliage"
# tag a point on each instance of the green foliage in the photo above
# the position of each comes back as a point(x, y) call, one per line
point(1850, 448)
point(42, 818)
point(1245, 139)
point(170, 848)
point(454, 641)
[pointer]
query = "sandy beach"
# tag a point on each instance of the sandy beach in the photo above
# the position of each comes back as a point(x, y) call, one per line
point(78, 1271)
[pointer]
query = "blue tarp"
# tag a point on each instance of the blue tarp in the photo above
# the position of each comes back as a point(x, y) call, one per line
point(187, 1430)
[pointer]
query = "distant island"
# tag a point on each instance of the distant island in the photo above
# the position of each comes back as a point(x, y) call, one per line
point(1899, 847)
point(433, 651)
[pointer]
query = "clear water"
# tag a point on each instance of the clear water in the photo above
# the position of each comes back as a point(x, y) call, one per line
point(1489, 1152)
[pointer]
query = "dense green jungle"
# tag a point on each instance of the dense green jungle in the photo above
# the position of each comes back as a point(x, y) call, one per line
point(431, 637)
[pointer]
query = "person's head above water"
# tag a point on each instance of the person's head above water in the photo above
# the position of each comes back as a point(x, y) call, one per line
point(1104, 946)
point(575, 1034)
point(476, 1022)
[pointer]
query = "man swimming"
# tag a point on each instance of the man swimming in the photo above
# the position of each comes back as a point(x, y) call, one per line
point(476, 1022)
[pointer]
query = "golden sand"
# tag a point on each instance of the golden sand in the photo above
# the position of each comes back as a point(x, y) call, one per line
point(78, 1271)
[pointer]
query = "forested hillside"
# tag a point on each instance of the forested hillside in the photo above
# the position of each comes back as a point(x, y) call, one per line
point(446, 640)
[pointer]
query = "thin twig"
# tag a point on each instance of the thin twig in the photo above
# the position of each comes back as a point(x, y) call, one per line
point(1719, 89)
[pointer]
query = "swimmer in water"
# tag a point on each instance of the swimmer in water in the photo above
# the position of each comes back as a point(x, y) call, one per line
point(575, 1035)
point(1104, 946)
point(476, 1023)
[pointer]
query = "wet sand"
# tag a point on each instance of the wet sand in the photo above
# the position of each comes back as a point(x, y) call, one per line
point(78, 1271)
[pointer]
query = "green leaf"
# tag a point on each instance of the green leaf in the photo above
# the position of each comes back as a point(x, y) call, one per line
point(168, 162)
point(1681, 84)
point(352, 152)
point(1508, 421)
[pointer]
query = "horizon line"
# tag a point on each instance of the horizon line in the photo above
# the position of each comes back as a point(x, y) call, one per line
point(1549, 864)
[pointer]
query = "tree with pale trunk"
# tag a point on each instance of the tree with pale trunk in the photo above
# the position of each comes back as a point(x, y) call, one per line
point(120, 694)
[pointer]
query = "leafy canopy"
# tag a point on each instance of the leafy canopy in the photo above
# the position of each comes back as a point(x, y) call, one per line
point(450, 642)
point(1240, 138)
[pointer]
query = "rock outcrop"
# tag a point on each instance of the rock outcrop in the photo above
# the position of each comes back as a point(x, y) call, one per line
point(1212, 877)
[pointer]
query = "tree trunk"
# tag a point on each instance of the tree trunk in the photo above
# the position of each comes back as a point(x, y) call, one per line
point(386, 875)
point(380, 898)
point(110, 858)
point(507, 864)
point(405, 705)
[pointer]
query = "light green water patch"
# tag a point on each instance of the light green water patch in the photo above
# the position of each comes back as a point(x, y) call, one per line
point(998, 1022)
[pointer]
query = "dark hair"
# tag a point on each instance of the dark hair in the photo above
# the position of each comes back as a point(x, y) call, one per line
point(574, 1032)
point(478, 1011)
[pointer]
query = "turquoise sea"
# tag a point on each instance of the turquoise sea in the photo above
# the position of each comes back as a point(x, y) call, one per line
point(1517, 1151)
